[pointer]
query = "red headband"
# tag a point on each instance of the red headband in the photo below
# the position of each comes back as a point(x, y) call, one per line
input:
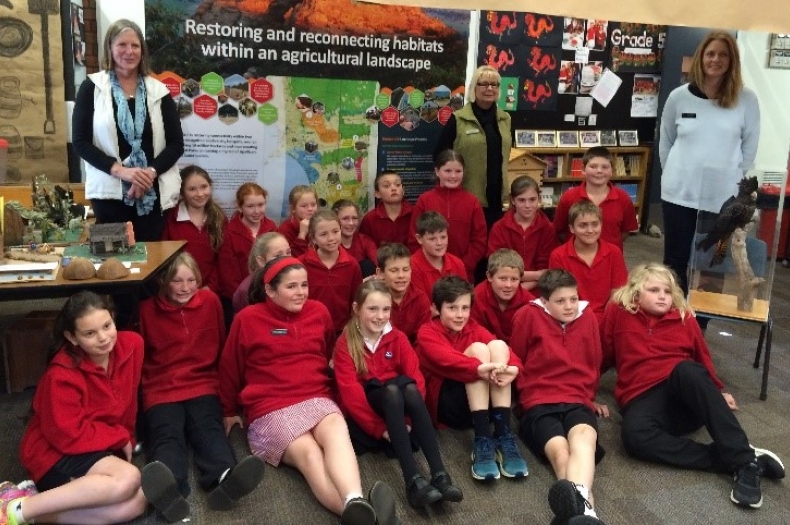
point(278, 266)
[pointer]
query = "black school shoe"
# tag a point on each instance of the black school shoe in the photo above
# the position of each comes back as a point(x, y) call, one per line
point(420, 493)
point(445, 486)
point(161, 490)
point(565, 501)
point(240, 481)
point(382, 498)
point(358, 512)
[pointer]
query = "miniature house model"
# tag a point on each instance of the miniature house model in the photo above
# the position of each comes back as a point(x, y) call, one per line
point(524, 163)
point(109, 238)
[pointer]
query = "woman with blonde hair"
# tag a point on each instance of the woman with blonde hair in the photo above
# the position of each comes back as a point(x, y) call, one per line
point(127, 130)
point(481, 133)
point(709, 133)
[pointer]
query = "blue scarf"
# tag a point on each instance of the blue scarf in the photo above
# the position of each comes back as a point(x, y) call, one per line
point(132, 130)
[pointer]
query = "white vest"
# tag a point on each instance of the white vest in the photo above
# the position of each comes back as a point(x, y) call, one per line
point(101, 185)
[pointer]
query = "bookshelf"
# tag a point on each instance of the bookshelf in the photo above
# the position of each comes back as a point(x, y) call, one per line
point(630, 170)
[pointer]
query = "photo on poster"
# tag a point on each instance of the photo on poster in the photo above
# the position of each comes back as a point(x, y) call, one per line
point(608, 137)
point(570, 78)
point(543, 62)
point(568, 139)
point(503, 27)
point(589, 139)
point(644, 98)
point(573, 33)
point(590, 75)
point(546, 139)
point(543, 30)
point(597, 32)
point(628, 137)
point(526, 138)
point(538, 95)
point(508, 93)
point(440, 95)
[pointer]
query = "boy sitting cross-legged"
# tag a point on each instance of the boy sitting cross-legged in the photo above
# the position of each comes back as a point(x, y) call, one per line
point(556, 337)
point(410, 307)
point(468, 375)
point(432, 260)
point(498, 298)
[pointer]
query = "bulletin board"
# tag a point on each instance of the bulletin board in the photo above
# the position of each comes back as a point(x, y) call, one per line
point(544, 77)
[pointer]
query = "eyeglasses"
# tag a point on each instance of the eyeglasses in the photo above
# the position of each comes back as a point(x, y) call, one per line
point(486, 85)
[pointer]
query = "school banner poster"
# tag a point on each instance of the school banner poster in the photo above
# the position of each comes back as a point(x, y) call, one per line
point(295, 94)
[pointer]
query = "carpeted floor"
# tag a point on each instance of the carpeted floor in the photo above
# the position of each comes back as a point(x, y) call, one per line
point(627, 492)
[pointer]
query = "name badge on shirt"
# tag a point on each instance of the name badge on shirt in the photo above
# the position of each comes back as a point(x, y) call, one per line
point(688, 115)
point(280, 331)
point(472, 131)
point(388, 354)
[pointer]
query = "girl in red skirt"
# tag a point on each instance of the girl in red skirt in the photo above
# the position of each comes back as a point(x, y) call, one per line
point(274, 370)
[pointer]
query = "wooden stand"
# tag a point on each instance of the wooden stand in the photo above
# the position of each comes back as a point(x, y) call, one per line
point(747, 282)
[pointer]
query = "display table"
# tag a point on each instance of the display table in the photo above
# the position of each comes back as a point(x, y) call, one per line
point(159, 255)
point(26, 343)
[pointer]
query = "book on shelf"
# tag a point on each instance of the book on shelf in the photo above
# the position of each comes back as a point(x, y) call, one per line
point(631, 189)
point(577, 167)
point(634, 165)
point(552, 166)
point(547, 196)
point(618, 168)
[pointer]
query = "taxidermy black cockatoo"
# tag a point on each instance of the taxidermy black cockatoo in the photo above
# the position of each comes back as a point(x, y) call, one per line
point(736, 212)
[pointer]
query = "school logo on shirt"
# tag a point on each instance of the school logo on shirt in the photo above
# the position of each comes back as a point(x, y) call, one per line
point(388, 354)
point(280, 331)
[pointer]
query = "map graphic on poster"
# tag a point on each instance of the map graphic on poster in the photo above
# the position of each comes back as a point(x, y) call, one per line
point(328, 137)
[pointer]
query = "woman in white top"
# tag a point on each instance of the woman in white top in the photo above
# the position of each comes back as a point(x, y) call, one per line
point(710, 129)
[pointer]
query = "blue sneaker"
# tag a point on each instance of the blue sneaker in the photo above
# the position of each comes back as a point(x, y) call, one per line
point(511, 464)
point(484, 466)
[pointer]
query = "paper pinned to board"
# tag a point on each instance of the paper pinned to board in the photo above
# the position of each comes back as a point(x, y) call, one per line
point(606, 88)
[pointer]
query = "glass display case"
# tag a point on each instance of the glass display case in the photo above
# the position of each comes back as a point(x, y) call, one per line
point(734, 252)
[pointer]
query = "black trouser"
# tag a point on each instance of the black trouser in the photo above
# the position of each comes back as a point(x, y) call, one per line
point(393, 401)
point(198, 421)
point(654, 424)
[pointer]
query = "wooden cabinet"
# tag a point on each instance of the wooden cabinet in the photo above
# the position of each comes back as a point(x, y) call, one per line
point(630, 171)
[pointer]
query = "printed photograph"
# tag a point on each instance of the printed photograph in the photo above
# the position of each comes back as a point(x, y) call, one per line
point(568, 139)
point(628, 137)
